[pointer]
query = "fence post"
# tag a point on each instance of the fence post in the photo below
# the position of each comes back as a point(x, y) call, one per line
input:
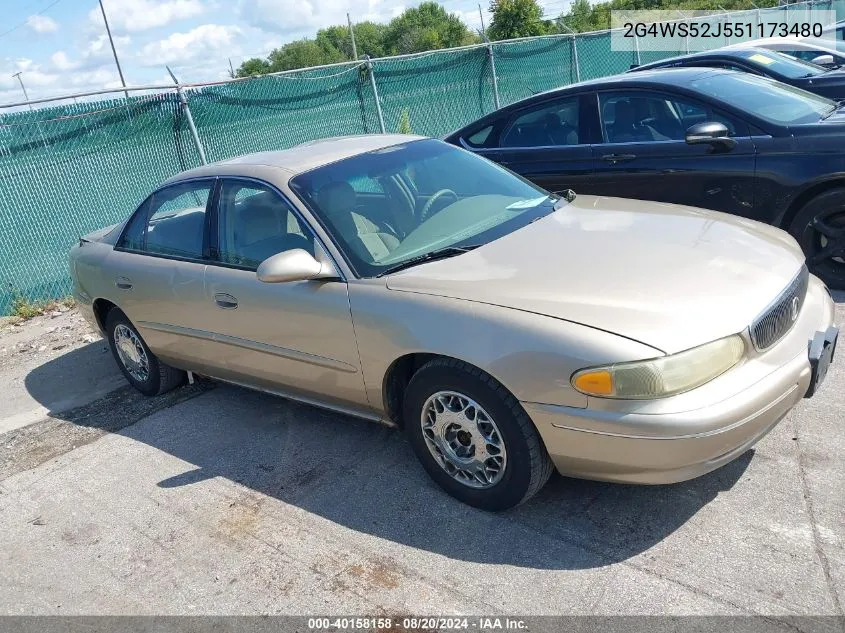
point(372, 75)
point(575, 58)
point(637, 50)
point(493, 70)
point(183, 102)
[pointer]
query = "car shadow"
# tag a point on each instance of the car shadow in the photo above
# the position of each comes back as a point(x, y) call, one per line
point(364, 476)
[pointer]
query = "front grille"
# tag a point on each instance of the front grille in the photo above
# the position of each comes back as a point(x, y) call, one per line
point(778, 318)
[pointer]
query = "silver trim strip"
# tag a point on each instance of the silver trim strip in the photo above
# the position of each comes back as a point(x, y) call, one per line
point(311, 359)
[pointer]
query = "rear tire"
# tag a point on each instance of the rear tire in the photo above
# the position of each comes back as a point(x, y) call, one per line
point(473, 437)
point(139, 365)
point(819, 228)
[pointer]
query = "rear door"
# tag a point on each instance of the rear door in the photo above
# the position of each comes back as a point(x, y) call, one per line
point(643, 153)
point(547, 143)
point(158, 269)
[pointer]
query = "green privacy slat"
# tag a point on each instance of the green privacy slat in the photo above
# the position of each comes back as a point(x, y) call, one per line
point(67, 170)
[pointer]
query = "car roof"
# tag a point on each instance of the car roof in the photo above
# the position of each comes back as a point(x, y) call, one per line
point(735, 52)
point(300, 158)
point(658, 76)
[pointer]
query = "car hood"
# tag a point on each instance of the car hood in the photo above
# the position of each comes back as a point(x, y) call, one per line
point(669, 276)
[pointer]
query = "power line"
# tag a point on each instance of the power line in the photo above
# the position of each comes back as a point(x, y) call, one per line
point(44, 10)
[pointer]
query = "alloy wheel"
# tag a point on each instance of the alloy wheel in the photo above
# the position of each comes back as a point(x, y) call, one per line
point(463, 439)
point(828, 240)
point(131, 352)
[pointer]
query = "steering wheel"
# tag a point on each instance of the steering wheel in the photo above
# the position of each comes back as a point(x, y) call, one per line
point(434, 198)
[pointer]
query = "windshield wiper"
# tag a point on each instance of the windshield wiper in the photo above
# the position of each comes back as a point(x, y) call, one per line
point(440, 253)
point(564, 195)
point(832, 111)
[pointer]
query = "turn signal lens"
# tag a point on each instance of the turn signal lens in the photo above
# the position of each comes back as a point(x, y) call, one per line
point(595, 382)
point(664, 376)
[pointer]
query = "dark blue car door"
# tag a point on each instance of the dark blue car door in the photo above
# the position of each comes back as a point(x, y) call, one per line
point(643, 153)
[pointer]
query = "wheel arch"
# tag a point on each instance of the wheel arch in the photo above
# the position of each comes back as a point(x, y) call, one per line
point(399, 374)
point(835, 182)
point(101, 308)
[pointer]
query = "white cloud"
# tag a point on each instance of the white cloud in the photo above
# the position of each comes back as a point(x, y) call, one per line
point(141, 15)
point(294, 17)
point(42, 24)
point(205, 42)
point(62, 62)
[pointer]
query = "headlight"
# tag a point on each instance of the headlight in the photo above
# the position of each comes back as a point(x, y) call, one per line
point(661, 377)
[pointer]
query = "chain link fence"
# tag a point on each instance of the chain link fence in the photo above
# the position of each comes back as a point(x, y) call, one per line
point(67, 170)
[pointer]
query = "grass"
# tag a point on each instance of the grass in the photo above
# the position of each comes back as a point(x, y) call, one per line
point(24, 308)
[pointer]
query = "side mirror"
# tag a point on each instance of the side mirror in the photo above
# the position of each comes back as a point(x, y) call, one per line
point(710, 133)
point(824, 60)
point(294, 265)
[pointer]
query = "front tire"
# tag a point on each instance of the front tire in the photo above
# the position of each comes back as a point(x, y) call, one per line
point(139, 365)
point(473, 437)
point(819, 227)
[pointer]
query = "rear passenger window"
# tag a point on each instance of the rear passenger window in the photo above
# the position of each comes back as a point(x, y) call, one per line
point(172, 222)
point(551, 125)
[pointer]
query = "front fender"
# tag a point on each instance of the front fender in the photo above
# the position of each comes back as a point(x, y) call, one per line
point(532, 355)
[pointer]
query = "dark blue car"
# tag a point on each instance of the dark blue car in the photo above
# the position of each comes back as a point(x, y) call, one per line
point(765, 63)
point(717, 139)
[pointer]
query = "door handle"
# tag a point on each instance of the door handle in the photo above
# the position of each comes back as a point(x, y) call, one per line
point(618, 158)
point(124, 283)
point(225, 301)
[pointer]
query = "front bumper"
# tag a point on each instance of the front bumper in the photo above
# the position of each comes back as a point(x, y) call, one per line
point(649, 446)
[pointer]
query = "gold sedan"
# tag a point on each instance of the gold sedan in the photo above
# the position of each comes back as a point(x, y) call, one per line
point(510, 331)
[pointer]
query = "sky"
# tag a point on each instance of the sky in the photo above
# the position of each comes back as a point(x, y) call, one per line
point(60, 46)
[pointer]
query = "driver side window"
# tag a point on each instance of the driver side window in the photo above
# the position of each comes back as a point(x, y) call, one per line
point(639, 117)
point(255, 222)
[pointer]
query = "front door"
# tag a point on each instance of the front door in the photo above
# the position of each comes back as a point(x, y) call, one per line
point(644, 154)
point(294, 337)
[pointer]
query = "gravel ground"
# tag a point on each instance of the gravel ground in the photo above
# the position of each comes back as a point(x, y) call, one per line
point(218, 500)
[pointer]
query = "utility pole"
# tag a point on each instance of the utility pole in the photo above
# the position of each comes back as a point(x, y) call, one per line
point(352, 36)
point(492, 59)
point(17, 76)
point(231, 69)
point(114, 50)
point(483, 29)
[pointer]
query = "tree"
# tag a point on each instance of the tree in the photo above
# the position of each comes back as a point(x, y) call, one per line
point(426, 27)
point(516, 18)
point(302, 54)
point(423, 28)
point(369, 39)
point(253, 66)
point(583, 16)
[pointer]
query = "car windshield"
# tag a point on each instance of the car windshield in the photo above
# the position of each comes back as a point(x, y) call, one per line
point(406, 202)
point(767, 98)
point(782, 65)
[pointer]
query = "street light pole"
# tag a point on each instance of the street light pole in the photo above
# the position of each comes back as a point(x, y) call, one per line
point(17, 76)
point(113, 49)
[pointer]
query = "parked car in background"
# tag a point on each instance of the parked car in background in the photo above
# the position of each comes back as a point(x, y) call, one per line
point(828, 53)
point(718, 139)
point(508, 330)
point(758, 61)
point(838, 28)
